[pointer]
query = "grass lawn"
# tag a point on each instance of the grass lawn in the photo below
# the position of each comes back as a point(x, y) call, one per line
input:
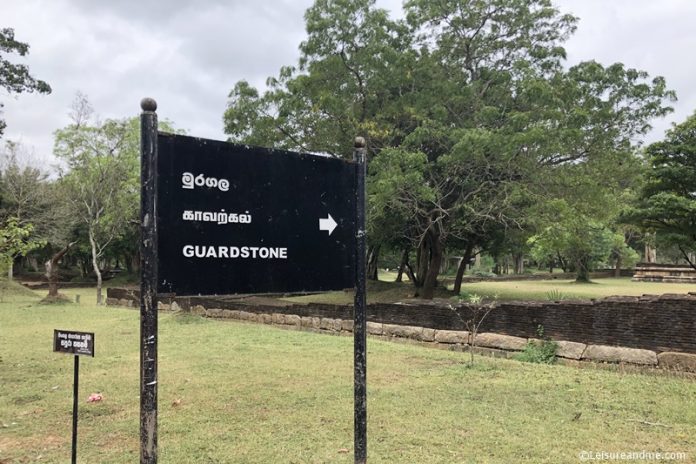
point(599, 288)
point(386, 292)
point(235, 392)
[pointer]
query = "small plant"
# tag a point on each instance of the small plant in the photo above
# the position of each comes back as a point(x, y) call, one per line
point(466, 297)
point(477, 313)
point(542, 351)
point(556, 295)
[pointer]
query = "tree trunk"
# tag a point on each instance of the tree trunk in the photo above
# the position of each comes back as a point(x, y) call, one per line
point(95, 266)
point(583, 271)
point(372, 258)
point(10, 269)
point(433, 252)
point(52, 268)
point(402, 266)
point(617, 269)
point(519, 263)
point(563, 263)
point(462, 267)
point(421, 266)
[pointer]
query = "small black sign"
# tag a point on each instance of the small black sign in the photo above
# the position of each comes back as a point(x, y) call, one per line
point(78, 343)
point(239, 219)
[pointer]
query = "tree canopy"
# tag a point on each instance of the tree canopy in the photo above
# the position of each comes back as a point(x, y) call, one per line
point(15, 78)
point(667, 203)
point(469, 108)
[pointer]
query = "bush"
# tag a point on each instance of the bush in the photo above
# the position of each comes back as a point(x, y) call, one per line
point(542, 351)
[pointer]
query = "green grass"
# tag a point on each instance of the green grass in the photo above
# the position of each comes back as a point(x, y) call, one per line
point(385, 292)
point(377, 292)
point(599, 288)
point(258, 394)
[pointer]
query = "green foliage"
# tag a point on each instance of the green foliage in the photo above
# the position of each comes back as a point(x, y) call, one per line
point(569, 233)
point(556, 295)
point(466, 297)
point(541, 351)
point(470, 115)
point(16, 240)
point(29, 195)
point(15, 78)
point(667, 204)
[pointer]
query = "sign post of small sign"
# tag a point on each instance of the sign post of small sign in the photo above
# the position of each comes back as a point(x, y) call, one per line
point(219, 218)
point(77, 344)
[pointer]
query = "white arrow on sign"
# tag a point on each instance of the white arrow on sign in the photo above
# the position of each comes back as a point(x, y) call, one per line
point(327, 224)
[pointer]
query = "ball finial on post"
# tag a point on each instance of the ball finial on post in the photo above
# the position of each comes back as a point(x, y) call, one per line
point(148, 104)
point(360, 142)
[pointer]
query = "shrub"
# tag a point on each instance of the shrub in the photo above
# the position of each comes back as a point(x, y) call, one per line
point(542, 351)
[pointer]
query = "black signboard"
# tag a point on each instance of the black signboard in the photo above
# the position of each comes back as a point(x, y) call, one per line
point(239, 219)
point(70, 342)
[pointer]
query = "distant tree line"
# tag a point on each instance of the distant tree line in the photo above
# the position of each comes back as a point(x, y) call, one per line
point(482, 140)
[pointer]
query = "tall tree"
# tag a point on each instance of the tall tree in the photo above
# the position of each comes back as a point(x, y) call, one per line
point(667, 205)
point(466, 106)
point(15, 78)
point(29, 196)
point(102, 161)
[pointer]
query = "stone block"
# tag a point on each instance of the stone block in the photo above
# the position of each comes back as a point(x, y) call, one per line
point(570, 350)
point(278, 318)
point(428, 335)
point(452, 336)
point(213, 312)
point(501, 342)
point(293, 319)
point(402, 331)
point(620, 355)
point(375, 328)
point(685, 362)
point(347, 325)
point(306, 322)
point(266, 318)
point(316, 323)
point(160, 306)
point(197, 309)
point(227, 314)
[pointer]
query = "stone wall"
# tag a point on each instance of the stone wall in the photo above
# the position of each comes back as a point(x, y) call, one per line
point(653, 272)
point(639, 330)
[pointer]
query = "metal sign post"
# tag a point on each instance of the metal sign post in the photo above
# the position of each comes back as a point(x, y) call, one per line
point(148, 282)
point(77, 344)
point(359, 319)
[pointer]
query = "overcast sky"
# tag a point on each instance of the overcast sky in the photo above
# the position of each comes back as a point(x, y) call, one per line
point(188, 54)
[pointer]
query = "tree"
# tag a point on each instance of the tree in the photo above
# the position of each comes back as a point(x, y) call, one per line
point(16, 240)
point(102, 180)
point(29, 196)
point(466, 106)
point(15, 78)
point(667, 204)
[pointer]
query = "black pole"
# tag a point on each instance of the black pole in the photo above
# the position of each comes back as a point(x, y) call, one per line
point(359, 319)
point(148, 282)
point(76, 377)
